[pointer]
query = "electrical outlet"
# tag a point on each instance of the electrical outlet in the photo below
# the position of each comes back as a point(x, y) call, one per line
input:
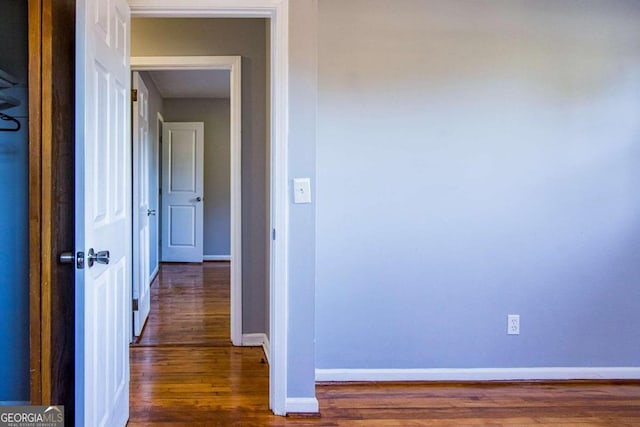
point(513, 324)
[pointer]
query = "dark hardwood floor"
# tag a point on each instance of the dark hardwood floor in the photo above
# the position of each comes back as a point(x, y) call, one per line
point(189, 306)
point(185, 372)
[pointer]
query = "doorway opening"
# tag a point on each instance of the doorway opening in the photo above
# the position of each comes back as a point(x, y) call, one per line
point(103, 83)
point(183, 68)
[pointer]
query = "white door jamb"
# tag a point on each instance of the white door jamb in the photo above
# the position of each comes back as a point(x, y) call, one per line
point(233, 65)
point(277, 11)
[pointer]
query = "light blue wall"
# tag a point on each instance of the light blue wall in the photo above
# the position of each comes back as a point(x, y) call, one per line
point(474, 159)
point(14, 273)
point(303, 94)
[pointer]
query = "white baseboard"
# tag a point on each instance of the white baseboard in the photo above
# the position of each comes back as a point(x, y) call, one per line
point(302, 405)
point(216, 257)
point(154, 273)
point(258, 340)
point(479, 374)
point(253, 340)
point(266, 347)
point(14, 403)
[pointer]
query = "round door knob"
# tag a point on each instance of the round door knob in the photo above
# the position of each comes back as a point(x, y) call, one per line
point(198, 199)
point(101, 257)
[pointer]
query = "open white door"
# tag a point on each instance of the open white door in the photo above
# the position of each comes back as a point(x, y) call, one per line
point(182, 189)
point(141, 209)
point(103, 212)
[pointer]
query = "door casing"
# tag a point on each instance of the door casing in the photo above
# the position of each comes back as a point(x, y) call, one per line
point(51, 192)
point(277, 11)
point(233, 64)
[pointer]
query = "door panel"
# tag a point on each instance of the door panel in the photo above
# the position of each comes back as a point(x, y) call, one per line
point(182, 157)
point(183, 223)
point(141, 210)
point(182, 183)
point(103, 206)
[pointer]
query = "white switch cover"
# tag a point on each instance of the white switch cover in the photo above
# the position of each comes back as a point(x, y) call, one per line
point(301, 190)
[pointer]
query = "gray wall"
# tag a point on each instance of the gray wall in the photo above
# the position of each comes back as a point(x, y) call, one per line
point(155, 106)
point(245, 37)
point(14, 232)
point(474, 159)
point(215, 114)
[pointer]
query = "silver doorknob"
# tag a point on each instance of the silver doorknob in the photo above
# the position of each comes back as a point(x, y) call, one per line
point(101, 257)
point(198, 199)
point(151, 212)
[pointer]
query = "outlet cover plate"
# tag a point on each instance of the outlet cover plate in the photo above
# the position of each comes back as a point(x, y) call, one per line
point(513, 324)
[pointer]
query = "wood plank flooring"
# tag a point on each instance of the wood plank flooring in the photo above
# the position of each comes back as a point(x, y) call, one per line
point(189, 306)
point(185, 372)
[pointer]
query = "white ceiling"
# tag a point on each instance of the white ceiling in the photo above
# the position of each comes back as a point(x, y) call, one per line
point(192, 83)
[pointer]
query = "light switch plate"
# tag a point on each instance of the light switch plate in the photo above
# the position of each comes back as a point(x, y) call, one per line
point(301, 190)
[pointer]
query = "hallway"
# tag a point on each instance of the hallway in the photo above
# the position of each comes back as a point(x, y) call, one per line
point(189, 305)
point(184, 369)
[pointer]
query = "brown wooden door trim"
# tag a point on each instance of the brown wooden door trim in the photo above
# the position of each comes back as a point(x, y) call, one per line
point(58, 195)
point(40, 208)
point(35, 188)
point(47, 208)
point(51, 201)
point(51, 198)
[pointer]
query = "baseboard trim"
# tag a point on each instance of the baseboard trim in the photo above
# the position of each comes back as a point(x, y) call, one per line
point(258, 340)
point(266, 348)
point(216, 257)
point(302, 405)
point(253, 340)
point(479, 374)
point(154, 273)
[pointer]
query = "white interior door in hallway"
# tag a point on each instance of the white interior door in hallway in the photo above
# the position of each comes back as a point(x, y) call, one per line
point(141, 209)
point(182, 191)
point(103, 213)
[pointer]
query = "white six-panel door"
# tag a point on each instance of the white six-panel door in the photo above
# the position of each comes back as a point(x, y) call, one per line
point(141, 208)
point(182, 192)
point(103, 212)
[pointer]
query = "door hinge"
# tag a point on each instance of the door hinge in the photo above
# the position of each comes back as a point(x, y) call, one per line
point(273, 234)
point(134, 95)
point(134, 304)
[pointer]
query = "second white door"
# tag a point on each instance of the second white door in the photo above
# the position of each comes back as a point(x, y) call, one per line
point(141, 209)
point(182, 192)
